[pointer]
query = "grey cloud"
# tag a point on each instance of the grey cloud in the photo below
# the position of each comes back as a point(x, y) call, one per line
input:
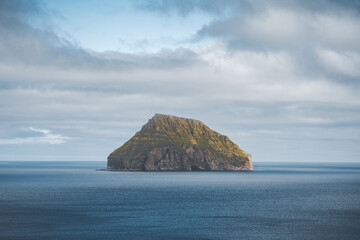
point(316, 38)
point(185, 7)
point(279, 29)
point(165, 58)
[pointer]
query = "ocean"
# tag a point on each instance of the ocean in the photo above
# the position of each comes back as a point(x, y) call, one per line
point(78, 200)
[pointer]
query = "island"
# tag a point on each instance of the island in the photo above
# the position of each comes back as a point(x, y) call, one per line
point(170, 143)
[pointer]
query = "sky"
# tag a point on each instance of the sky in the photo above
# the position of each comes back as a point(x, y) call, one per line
point(280, 78)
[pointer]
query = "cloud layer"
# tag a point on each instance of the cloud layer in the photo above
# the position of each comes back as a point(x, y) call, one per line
point(278, 77)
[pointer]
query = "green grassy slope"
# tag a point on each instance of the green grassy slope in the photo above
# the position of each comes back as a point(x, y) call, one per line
point(167, 130)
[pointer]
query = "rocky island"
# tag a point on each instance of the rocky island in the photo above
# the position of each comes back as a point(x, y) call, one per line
point(170, 143)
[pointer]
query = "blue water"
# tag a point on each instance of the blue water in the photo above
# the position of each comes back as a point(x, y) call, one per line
point(73, 200)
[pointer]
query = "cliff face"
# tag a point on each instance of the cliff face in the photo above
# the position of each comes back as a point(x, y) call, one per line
point(169, 143)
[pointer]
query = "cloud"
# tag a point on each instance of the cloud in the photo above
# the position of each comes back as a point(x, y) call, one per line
point(186, 7)
point(46, 137)
point(304, 30)
point(270, 70)
point(343, 63)
point(321, 42)
point(29, 40)
point(48, 66)
point(282, 28)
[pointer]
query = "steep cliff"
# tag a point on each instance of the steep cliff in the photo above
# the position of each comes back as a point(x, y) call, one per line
point(169, 143)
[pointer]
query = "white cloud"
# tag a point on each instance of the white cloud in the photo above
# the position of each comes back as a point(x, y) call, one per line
point(346, 63)
point(46, 137)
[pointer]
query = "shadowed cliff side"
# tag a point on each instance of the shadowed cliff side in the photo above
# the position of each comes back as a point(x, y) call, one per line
point(169, 143)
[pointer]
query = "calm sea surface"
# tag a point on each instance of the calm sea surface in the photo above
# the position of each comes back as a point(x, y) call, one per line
point(74, 200)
